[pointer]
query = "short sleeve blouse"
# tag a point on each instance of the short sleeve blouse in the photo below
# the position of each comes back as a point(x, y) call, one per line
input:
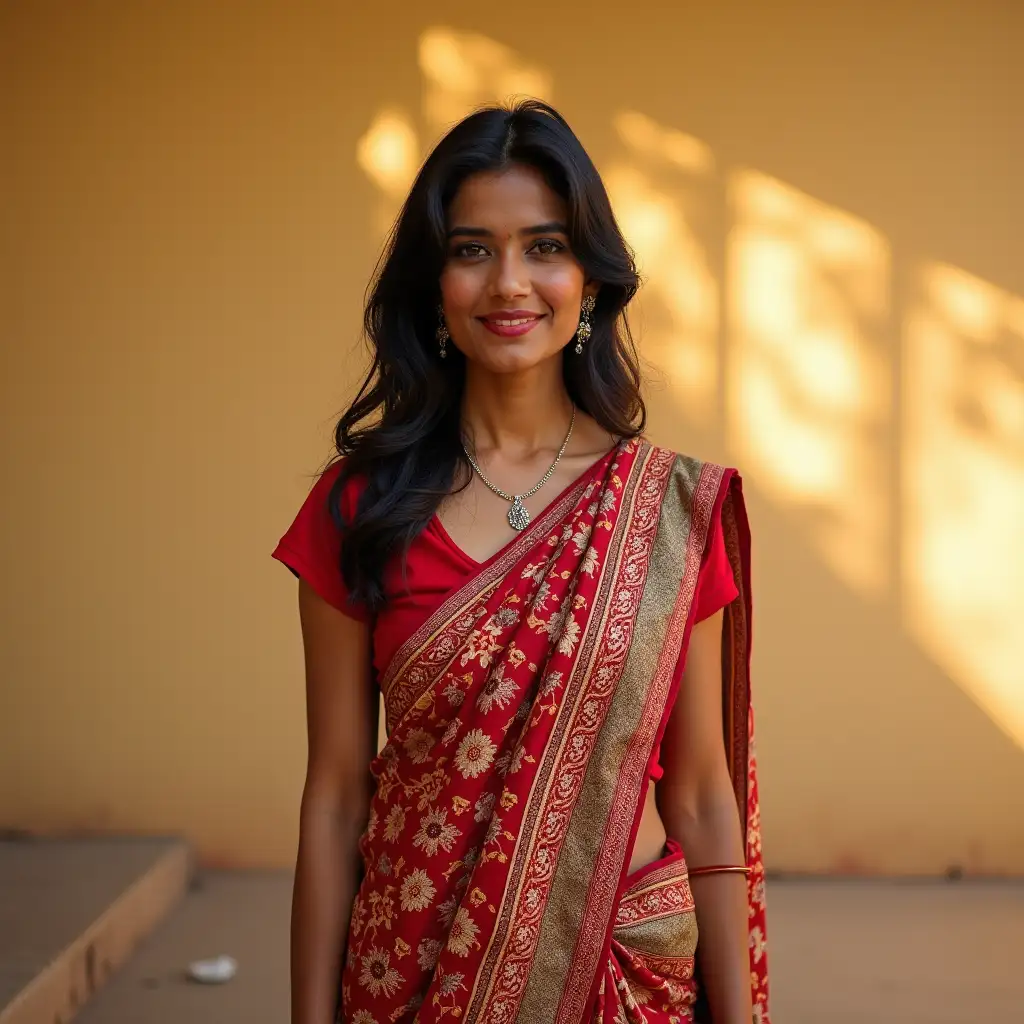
point(436, 567)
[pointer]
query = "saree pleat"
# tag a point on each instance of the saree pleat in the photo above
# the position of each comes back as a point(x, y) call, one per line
point(649, 971)
point(521, 720)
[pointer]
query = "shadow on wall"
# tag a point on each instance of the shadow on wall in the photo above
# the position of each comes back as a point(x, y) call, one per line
point(875, 403)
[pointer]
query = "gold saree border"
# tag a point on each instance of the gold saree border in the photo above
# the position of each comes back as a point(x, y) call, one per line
point(614, 802)
point(593, 826)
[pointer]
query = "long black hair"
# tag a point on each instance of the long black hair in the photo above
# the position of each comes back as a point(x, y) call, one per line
point(400, 437)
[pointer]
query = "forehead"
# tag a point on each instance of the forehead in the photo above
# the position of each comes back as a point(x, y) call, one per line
point(506, 200)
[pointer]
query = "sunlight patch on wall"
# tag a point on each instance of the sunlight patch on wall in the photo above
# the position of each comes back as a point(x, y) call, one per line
point(646, 138)
point(963, 486)
point(463, 70)
point(661, 190)
point(809, 391)
point(389, 155)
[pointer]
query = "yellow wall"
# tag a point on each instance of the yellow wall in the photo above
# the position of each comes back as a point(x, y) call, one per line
point(827, 203)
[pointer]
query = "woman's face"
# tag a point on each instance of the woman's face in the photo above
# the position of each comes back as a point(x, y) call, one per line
point(511, 287)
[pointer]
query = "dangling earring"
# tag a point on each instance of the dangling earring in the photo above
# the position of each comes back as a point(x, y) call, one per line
point(585, 329)
point(442, 332)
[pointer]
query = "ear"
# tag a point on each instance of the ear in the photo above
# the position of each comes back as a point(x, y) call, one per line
point(591, 288)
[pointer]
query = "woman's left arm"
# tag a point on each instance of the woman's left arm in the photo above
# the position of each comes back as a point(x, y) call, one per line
point(698, 806)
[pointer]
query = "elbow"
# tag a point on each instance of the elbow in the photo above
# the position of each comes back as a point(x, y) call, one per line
point(338, 805)
point(702, 813)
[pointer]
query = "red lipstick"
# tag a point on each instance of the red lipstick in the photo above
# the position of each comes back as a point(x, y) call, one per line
point(511, 323)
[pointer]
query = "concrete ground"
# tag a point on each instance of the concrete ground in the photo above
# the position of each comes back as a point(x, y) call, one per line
point(896, 953)
point(840, 953)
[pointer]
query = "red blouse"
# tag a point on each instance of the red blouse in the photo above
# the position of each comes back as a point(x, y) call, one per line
point(436, 567)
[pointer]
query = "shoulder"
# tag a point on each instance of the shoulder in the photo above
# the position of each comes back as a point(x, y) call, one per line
point(311, 547)
point(337, 474)
point(317, 519)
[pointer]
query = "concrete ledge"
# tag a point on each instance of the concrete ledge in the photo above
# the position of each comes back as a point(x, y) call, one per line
point(96, 900)
point(244, 914)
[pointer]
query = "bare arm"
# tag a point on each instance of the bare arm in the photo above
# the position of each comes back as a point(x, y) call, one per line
point(698, 806)
point(341, 713)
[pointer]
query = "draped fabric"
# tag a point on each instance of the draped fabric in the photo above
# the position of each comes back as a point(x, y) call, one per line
point(521, 720)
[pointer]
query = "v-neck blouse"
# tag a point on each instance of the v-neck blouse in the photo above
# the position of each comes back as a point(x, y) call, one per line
point(435, 568)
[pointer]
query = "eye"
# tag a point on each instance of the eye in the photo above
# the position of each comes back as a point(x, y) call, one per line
point(470, 250)
point(547, 247)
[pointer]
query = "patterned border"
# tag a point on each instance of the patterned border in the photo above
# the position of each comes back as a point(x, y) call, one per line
point(586, 702)
point(608, 874)
point(658, 872)
point(676, 968)
point(663, 898)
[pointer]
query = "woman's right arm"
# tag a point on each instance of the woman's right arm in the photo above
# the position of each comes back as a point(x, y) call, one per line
point(341, 715)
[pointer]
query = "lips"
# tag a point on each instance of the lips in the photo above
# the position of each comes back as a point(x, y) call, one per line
point(511, 323)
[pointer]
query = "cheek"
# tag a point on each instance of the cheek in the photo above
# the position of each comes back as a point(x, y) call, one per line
point(562, 289)
point(460, 288)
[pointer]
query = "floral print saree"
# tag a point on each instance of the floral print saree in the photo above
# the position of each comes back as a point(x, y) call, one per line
point(521, 720)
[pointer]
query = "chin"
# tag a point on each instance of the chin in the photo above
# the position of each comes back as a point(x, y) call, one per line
point(513, 358)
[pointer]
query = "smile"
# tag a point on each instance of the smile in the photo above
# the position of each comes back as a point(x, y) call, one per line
point(512, 324)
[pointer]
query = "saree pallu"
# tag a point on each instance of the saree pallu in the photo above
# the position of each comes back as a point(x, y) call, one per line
point(521, 722)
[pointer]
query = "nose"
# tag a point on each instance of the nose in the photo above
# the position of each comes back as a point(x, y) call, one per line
point(511, 275)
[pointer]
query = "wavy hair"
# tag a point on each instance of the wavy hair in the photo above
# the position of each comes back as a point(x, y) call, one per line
point(401, 436)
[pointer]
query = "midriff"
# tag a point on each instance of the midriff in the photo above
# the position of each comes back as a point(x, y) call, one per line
point(650, 836)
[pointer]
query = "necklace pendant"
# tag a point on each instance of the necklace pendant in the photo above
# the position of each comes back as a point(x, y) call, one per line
point(518, 517)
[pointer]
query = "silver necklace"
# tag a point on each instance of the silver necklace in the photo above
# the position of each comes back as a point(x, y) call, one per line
point(518, 516)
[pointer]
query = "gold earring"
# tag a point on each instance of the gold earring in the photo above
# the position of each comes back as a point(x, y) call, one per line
point(585, 329)
point(442, 334)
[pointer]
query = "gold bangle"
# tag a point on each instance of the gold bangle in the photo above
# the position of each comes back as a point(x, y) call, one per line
point(719, 869)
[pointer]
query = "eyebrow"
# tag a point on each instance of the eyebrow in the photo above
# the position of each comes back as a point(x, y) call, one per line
point(553, 227)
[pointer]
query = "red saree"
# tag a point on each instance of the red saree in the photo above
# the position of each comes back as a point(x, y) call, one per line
point(521, 720)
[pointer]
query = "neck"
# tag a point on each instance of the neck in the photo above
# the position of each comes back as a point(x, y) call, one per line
point(517, 413)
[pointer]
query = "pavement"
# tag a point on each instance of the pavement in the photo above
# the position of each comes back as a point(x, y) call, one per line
point(841, 952)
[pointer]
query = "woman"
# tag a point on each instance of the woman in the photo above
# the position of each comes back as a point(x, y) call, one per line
point(557, 615)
